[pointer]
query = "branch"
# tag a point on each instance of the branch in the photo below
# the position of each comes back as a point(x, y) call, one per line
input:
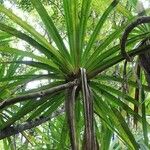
point(43, 93)
point(70, 115)
point(89, 134)
point(9, 131)
point(129, 28)
point(125, 83)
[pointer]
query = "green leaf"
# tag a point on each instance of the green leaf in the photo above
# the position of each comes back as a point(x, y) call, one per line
point(51, 29)
point(97, 30)
point(26, 38)
point(43, 60)
point(111, 52)
point(50, 106)
point(117, 123)
point(34, 64)
point(123, 10)
point(64, 135)
point(25, 109)
point(28, 28)
point(54, 55)
point(71, 18)
point(85, 11)
point(119, 80)
point(28, 107)
point(110, 38)
point(125, 128)
point(116, 92)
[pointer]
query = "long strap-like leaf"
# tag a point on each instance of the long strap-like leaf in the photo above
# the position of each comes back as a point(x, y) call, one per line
point(50, 27)
point(83, 22)
point(116, 59)
point(17, 52)
point(23, 36)
point(27, 28)
point(35, 64)
point(98, 28)
point(55, 56)
point(71, 18)
point(126, 128)
point(105, 53)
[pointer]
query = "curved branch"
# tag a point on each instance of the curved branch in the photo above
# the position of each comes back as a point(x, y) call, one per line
point(37, 94)
point(125, 83)
point(129, 28)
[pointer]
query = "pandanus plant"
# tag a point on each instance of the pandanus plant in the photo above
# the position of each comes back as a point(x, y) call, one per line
point(77, 74)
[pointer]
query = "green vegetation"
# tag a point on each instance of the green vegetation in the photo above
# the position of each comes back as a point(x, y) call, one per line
point(72, 77)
